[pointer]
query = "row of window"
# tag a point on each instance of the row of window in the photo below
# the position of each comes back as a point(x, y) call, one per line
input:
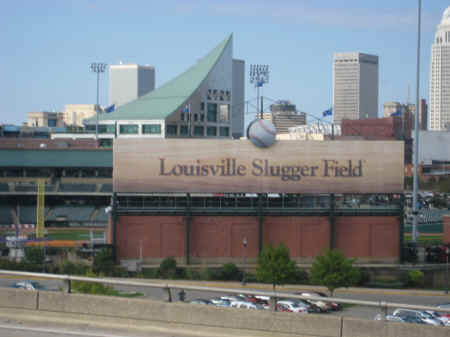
point(130, 129)
point(198, 131)
point(215, 112)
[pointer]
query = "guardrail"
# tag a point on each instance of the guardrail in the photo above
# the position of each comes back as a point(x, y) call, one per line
point(274, 296)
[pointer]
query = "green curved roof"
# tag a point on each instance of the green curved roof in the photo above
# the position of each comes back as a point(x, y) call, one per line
point(163, 101)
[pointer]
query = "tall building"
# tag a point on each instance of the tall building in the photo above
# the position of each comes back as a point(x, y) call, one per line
point(206, 101)
point(75, 114)
point(355, 86)
point(439, 116)
point(45, 118)
point(128, 82)
point(238, 98)
point(283, 114)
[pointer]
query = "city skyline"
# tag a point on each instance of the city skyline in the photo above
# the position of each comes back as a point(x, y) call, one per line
point(49, 46)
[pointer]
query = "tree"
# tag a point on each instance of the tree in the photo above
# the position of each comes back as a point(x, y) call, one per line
point(275, 265)
point(333, 270)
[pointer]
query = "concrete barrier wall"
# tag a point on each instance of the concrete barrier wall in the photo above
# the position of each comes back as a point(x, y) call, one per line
point(208, 316)
point(184, 313)
point(18, 298)
point(354, 327)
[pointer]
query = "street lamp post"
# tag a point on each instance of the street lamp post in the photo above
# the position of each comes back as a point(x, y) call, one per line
point(447, 253)
point(97, 68)
point(416, 130)
point(244, 246)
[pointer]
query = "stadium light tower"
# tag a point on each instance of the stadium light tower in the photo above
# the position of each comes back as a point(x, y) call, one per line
point(259, 75)
point(416, 132)
point(97, 68)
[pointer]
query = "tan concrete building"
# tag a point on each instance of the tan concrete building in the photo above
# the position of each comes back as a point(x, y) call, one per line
point(74, 114)
point(45, 118)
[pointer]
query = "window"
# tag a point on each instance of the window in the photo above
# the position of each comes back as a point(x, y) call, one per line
point(171, 130)
point(211, 131)
point(198, 131)
point(184, 131)
point(51, 122)
point(202, 106)
point(151, 129)
point(224, 112)
point(105, 128)
point(129, 129)
point(182, 116)
point(195, 117)
point(224, 131)
point(212, 112)
point(202, 117)
point(108, 143)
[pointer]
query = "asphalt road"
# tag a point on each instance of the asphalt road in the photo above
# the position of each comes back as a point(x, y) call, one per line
point(352, 311)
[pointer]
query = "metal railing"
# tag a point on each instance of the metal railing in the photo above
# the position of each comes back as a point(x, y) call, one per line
point(274, 296)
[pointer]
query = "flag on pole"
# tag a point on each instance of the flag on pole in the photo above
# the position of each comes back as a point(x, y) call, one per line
point(328, 112)
point(397, 113)
point(186, 108)
point(110, 108)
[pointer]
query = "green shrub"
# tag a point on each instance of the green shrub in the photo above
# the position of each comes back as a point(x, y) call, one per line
point(299, 276)
point(192, 274)
point(93, 288)
point(364, 277)
point(230, 272)
point(210, 274)
point(168, 268)
point(34, 255)
point(150, 273)
point(416, 278)
point(104, 262)
point(71, 268)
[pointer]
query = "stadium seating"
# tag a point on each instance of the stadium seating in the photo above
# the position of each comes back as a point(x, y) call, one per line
point(5, 216)
point(77, 188)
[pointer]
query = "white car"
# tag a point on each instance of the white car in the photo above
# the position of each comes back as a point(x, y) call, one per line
point(323, 306)
point(293, 306)
point(244, 305)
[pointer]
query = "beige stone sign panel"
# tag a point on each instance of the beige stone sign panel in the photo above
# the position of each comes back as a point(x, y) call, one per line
point(233, 166)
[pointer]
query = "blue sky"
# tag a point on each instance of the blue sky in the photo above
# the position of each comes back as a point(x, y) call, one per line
point(47, 45)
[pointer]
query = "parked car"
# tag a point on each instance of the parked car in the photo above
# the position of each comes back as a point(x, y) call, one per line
point(245, 305)
point(323, 306)
point(420, 315)
point(28, 285)
point(445, 306)
point(438, 316)
point(201, 301)
point(293, 306)
point(310, 308)
point(219, 302)
point(334, 306)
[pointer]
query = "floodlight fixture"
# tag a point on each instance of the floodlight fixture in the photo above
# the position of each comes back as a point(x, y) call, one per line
point(259, 75)
point(98, 68)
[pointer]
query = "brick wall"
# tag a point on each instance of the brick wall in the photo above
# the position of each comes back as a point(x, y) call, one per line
point(218, 239)
point(446, 221)
point(370, 239)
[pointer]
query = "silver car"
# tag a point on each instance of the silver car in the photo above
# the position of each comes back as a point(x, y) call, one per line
point(424, 316)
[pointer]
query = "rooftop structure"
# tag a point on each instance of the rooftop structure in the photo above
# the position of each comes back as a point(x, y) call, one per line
point(439, 116)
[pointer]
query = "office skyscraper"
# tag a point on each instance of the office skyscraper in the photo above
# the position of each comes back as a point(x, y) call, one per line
point(355, 86)
point(439, 107)
point(128, 82)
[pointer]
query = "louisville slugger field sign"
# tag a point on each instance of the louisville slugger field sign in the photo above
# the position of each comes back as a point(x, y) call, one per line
point(235, 166)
